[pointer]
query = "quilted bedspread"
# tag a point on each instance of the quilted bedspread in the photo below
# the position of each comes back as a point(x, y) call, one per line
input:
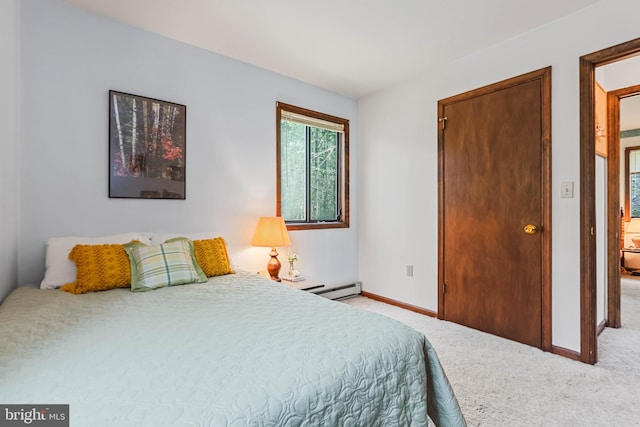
point(239, 350)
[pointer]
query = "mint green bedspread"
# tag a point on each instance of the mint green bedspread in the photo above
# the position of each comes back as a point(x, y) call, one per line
point(239, 350)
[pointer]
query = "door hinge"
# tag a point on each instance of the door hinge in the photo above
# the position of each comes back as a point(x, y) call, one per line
point(443, 120)
point(444, 288)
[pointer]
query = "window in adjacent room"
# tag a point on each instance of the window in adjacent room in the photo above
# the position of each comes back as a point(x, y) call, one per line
point(632, 187)
point(312, 168)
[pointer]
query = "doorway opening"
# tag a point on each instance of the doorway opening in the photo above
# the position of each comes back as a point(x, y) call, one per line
point(623, 107)
point(588, 200)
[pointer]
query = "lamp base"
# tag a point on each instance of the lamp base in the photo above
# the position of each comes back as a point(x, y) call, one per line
point(273, 266)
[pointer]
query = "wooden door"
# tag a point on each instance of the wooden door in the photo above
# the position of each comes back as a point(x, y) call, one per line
point(494, 174)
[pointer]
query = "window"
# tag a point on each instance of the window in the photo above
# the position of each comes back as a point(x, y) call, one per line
point(312, 168)
point(632, 185)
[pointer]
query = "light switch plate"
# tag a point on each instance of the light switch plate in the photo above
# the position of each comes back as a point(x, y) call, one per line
point(566, 190)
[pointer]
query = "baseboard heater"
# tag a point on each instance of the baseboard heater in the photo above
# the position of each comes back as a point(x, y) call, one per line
point(338, 292)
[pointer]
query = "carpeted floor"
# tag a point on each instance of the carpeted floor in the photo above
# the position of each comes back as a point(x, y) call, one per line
point(503, 383)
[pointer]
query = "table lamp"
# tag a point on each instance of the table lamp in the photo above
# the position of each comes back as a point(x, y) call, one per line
point(271, 232)
point(634, 228)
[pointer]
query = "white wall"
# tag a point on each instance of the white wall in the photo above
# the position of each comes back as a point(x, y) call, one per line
point(70, 60)
point(398, 158)
point(9, 86)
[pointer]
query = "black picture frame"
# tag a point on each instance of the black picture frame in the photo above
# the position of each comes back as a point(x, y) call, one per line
point(147, 147)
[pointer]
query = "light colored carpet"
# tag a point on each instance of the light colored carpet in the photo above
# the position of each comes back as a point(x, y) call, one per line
point(503, 383)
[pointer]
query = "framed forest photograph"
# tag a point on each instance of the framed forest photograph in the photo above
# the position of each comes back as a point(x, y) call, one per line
point(147, 147)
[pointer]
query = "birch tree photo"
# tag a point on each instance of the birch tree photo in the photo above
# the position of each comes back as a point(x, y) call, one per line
point(147, 138)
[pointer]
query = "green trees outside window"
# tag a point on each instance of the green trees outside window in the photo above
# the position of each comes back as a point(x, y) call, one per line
point(632, 189)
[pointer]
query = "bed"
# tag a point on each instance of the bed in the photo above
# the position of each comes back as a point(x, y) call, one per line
point(236, 350)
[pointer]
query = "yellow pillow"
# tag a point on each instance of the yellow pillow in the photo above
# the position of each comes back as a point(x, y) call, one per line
point(212, 256)
point(99, 268)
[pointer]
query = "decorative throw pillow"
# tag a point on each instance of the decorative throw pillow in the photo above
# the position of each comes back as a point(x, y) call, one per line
point(99, 268)
point(168, 264)
point(59, 269)
point(212, 256)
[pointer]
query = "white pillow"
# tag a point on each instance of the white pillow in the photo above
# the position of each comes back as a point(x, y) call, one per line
point(60, 270)
point(159, 238)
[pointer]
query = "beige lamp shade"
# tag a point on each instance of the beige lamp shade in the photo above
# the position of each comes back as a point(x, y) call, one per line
point(634, 226)
point(633, 229)
point(271, 232)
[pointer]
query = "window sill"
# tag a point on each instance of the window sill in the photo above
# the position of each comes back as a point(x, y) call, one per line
point(316, 225)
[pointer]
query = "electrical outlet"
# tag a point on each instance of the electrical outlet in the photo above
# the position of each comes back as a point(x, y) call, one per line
point(409, 270)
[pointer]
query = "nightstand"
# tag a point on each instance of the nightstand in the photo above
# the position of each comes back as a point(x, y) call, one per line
point(334, 292)
point(304, 285)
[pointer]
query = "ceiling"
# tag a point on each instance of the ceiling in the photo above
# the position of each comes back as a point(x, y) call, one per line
point(351, 47)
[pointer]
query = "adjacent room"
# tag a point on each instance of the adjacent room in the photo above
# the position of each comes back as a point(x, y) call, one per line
point(346, 213)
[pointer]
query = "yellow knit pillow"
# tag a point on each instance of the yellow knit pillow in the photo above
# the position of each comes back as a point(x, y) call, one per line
point(212, 256)
point(99, 268)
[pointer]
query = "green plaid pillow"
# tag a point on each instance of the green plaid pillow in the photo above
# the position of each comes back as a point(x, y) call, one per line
point(168, 264)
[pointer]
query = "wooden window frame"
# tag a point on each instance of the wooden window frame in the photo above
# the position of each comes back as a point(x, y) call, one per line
point(343, 222)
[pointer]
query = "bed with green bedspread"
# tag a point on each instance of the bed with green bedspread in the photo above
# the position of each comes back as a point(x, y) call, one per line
point(238, 350)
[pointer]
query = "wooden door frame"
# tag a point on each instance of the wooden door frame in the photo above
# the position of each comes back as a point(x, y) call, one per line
point(544, 75)
point(588, 282)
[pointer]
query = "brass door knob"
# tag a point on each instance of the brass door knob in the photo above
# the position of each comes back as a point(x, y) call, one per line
point(530, 229)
